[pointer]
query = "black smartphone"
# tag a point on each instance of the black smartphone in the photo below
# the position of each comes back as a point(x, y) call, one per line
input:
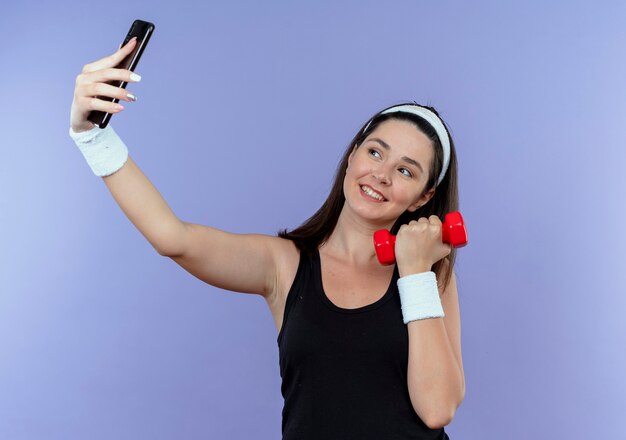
point(143, 30)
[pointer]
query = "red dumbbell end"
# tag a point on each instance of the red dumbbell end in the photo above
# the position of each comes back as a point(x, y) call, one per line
point(385, 244)
point(453, 230)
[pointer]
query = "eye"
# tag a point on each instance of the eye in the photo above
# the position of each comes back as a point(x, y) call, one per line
point(371, 150)
point(408, 173)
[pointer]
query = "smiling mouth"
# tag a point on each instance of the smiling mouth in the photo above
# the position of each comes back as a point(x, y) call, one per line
point(373, 194)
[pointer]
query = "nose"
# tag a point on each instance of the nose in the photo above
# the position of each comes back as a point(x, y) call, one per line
point(381, 175)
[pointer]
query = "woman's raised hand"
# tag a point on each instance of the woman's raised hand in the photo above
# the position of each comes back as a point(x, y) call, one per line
point(419, 245)
point(91, 82)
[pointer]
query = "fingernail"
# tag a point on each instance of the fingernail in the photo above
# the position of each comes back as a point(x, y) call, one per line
point(128, 42)
point(131, 97)
point(135, 77)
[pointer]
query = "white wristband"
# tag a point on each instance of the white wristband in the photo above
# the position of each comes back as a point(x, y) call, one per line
point(419, 297)
point(103, 149)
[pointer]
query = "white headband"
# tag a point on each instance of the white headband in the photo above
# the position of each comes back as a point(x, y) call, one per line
point(435, 122)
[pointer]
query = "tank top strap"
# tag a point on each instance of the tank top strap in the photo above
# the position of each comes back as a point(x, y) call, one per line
point(305, 275)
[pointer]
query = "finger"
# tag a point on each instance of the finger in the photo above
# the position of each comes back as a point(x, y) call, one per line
point(423, 220)
point(132, 40)
point(111, 60)
point(434, 219)
point(92, 103)
point(103, 89)
point(106, 75)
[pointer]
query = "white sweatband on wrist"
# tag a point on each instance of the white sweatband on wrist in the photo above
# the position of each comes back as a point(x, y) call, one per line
point(103, 149)
point(419, 297)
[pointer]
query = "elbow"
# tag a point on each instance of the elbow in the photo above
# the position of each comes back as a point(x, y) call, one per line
point(439, 420)
point(174, 245)
point(168, 251)
point(165, 252)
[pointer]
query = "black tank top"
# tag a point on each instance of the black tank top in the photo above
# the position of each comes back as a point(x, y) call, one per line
point(344, 371)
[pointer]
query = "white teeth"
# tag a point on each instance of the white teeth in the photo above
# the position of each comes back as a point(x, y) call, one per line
point(371, 193)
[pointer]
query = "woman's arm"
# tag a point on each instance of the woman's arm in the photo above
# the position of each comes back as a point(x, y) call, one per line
point(145, 207)
point(436, 379)
point(243, 263)
point(237, 262)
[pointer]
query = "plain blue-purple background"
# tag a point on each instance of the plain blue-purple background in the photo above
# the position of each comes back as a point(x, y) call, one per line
point(244, 110)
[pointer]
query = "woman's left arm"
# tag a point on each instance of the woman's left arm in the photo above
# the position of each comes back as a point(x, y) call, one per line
point(436, 379)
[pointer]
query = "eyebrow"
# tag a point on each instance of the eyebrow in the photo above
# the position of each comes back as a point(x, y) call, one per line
point(404, 158)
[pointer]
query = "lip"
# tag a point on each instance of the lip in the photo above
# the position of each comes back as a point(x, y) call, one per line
point(372, 198)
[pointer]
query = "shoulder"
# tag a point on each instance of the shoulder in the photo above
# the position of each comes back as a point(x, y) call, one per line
point(285, 251)
point(280, 249)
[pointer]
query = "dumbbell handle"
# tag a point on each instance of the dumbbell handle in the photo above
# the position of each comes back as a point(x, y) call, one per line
point(452, 232)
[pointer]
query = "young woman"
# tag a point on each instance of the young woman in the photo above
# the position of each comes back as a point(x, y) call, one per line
point(366, 351)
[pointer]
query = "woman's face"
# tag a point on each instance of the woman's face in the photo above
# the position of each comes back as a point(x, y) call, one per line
point(387, 173)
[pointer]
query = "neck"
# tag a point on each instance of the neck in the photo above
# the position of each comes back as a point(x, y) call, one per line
point(352, 239)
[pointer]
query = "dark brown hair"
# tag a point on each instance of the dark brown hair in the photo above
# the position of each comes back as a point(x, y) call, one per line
point(315, 231)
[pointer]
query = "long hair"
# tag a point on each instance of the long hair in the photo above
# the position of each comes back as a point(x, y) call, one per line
point(317, 229)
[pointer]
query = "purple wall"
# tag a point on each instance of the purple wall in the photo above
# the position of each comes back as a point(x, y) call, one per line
point(243, 113)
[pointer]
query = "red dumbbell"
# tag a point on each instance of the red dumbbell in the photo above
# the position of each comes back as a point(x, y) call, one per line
point(452, 232)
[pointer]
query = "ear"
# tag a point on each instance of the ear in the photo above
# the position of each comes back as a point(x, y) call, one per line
point(422, 200)
point(352, 154)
